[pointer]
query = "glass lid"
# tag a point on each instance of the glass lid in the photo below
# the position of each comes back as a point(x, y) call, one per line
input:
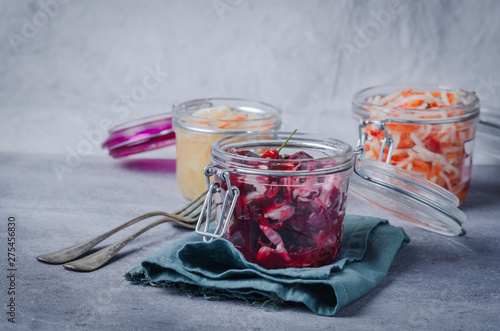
point(407, 196)
point(487, 145)
point(141, 135)
point(489, 122)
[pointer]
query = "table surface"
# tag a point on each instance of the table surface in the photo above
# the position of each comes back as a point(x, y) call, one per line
point(435, 282)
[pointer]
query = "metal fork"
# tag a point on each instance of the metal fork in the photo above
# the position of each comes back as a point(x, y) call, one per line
point(186, 217)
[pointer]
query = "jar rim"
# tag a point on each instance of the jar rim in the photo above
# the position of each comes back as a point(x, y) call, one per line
point(268, 116)
point(337, 155)
point(461, 112)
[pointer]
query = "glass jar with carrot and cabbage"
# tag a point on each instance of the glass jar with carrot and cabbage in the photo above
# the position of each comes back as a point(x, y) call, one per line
point(428, 130)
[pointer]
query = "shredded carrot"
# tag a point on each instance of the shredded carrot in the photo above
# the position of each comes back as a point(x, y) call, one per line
point(400, 127)
point(451, 156)
point(451, 97)
point(415, 103)
point(405, 143)
point(421, 164)
point(399, 157)
point(417, 168)
point(224, 125)
point(437, 169)
point(375, 154)
point(433, 151)
point(407, 93)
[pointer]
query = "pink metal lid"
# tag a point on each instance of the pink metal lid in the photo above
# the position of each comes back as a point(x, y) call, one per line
point(141, 135)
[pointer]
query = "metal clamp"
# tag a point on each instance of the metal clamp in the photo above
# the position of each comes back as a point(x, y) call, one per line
point(359, 152)
point(222, 221)
point(386, 142)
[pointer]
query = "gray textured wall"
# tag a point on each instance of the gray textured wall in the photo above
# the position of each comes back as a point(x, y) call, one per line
point(66, 66)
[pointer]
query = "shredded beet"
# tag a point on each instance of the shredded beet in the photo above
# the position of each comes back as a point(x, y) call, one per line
point(282, 222)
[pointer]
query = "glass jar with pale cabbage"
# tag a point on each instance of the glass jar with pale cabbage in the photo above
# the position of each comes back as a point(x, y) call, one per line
point(198, 123)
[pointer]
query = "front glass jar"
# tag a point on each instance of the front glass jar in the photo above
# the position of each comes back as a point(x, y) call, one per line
point(198, 123)
point(428, 130)
point(286, 212)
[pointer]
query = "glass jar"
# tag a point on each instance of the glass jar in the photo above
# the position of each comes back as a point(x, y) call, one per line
point(285, 212)
point(198, 123)
point(426, 129)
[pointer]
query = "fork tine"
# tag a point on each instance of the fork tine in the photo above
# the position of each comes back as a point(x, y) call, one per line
point(195, 212)
point(198, 201)
point(193, 219)
point(195, 208)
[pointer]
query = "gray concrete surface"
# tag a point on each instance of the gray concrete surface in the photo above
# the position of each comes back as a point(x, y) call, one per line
point(435, 283)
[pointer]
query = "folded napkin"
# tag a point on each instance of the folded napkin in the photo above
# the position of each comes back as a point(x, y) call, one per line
point(368, 247)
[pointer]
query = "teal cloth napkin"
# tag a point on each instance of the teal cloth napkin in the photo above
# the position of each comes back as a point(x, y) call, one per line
point(368, 247)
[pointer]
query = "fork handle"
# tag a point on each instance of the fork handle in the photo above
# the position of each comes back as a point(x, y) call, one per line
point(71, 253)
point(99, 258)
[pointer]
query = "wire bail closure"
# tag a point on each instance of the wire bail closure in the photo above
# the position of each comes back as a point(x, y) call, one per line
point(386, 142)
point(224, 215)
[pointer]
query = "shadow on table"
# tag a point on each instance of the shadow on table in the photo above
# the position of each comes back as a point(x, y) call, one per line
point(149, 165)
